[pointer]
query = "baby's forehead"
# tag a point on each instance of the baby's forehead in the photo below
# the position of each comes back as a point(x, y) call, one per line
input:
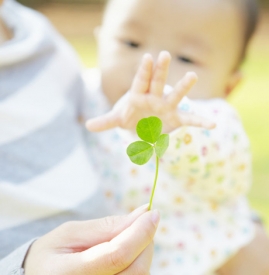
point(150, 6)
point(174, 15)
point(142, 11)
point(196, 26)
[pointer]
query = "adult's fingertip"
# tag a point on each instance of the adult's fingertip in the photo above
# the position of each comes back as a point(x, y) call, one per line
point(155, 217)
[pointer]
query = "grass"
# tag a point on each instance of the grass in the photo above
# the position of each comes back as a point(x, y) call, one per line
point(251, 100)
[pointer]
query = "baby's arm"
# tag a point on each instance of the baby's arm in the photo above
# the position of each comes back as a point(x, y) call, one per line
point(146, 98)
point(250, 259)
point(217, 160)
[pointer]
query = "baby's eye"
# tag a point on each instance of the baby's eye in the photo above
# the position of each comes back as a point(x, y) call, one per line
point(185, 59)
point(131, 44)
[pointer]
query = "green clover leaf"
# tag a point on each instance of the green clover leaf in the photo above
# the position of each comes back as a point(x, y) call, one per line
point(149, 129)
point(140, 152)
point(161, 145)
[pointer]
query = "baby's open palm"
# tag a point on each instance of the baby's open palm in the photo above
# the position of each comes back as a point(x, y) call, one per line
point(146, 98)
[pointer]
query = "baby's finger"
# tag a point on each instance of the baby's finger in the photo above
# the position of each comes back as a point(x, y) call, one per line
point(196, 121)
point(160, 74)
point(102, 123)
point(182, 88)
point(142, 78)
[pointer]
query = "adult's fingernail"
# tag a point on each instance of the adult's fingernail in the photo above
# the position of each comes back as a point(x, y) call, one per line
point(155, 217)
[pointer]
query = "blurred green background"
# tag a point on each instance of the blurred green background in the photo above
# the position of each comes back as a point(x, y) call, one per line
point(252, 101)
point(76, 20)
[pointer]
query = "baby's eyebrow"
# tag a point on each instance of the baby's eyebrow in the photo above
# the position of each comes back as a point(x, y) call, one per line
point(133, 24)
point(197, 42)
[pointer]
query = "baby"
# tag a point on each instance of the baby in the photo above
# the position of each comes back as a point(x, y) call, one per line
point(46, 177)
point(205, 174)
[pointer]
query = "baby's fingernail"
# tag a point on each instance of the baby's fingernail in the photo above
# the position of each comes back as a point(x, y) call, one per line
point(155, 217)
point(210, 125)
point(165, 53)
point(193, 75)
point(146, 56)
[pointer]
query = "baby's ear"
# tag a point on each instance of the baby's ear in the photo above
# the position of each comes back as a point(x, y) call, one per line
point(234, 81)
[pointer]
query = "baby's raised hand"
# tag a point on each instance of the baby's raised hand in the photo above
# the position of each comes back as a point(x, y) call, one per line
point(146, 98)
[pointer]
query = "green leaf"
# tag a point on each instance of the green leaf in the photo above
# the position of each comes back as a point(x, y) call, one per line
point(149, 129)
point(161, 145)
point(140, 152)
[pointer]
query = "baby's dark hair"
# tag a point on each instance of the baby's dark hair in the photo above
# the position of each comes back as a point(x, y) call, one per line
point(250, 12)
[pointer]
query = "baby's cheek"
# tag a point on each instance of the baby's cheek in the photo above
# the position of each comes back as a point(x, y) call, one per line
point(114, 85)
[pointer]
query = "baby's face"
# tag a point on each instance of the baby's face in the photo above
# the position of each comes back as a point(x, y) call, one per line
point(201, 36)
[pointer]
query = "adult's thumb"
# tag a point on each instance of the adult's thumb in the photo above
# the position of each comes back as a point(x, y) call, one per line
point(118, 254)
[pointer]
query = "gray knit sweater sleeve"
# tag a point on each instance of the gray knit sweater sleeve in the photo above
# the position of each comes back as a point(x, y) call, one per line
point(12, 264)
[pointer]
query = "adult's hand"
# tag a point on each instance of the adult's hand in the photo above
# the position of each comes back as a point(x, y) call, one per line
point(112, 245)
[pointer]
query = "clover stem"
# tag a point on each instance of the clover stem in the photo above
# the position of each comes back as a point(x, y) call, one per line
point(155, 181)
